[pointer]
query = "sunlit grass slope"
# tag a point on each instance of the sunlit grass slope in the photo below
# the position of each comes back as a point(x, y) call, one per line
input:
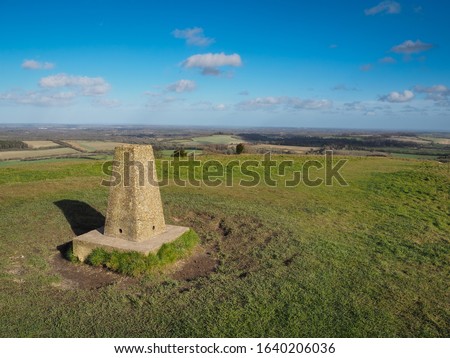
point(367, 260)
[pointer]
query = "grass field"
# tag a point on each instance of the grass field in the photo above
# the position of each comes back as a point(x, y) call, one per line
point(414, 156)
point(273, 147)
point(211, 139)
point(37, 144)
point(92, 145)
point(367, 260)
point(411, 139)
point(437, 140)
point(38, 153)
point(27, 163)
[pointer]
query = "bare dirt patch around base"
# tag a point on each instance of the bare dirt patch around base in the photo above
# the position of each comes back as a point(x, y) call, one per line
point(200, 264)
point(80, 276)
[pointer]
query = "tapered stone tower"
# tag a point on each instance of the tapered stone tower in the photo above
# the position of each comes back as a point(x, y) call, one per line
point(134, 217)
point(135, 210)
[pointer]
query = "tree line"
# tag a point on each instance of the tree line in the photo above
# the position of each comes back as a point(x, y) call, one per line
point(330, 142)
point(12, 144)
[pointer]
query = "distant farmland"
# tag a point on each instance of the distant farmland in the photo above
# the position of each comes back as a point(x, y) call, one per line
point(405, 146)
point(37, 144)
point(282, 148)
point(211, 139)
point(40, 153)
point(443, 141)
point(93, 146)
point(46, 149)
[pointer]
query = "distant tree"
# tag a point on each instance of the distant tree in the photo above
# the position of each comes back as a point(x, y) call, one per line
point(239, 148)
point(179, 153)
point(158, 154)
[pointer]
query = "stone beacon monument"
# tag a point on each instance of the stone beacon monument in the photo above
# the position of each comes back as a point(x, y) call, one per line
point(134, 217)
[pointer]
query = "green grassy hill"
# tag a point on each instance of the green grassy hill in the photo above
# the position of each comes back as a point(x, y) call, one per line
point(367, 260)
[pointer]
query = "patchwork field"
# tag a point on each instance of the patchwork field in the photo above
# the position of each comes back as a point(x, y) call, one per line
point(443, 141)
point(281, 148)
point(36, 144)
point(93, 146)
point(211, 139)
point(411, 139)
point(370, 259)
point(39, 153)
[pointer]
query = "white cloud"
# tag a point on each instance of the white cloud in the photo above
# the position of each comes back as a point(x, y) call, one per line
point(409, 47)
point(398, 97)
point(193, 36)
point(38, 98)
point(436, 93)
point(288, 103)
point(88, 86)
point(60, 90)
point(355, 106)
point(35, 65)
point(260, 103)
point(182, 86)
point(297, 103)
point(432, 89)
point(220, 107)
point(387, 59)
point(388, 7)
point(209, 62)
point(209, 106)
point(365, 108)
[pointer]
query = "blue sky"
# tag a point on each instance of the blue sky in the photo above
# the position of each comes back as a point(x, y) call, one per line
point(338, 64)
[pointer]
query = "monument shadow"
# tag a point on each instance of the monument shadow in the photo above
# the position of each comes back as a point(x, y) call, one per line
point(82, 218)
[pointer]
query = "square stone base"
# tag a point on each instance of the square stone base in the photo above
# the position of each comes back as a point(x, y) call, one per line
point(84, 244)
